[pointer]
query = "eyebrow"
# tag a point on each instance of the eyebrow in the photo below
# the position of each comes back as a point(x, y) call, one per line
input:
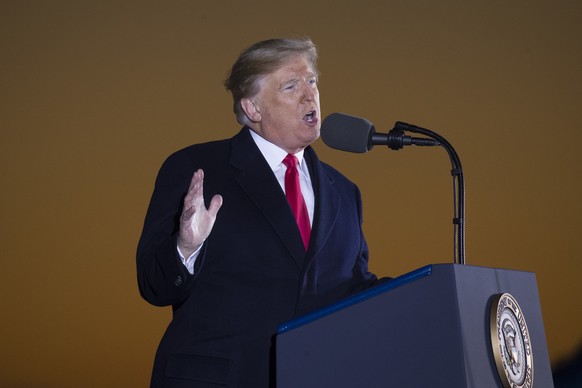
point(295, 80)
point(290, 80)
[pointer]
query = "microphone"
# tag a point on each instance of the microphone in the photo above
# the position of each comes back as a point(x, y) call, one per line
point(355, 134)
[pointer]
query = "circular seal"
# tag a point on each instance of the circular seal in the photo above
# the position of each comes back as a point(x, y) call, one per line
point(510, 342)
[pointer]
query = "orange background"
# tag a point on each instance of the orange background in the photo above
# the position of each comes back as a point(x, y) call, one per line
point(95, 94)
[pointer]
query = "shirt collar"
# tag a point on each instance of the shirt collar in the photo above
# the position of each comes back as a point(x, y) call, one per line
point(272, 153)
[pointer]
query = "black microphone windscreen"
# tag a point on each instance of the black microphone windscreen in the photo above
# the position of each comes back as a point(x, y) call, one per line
point(347, 133)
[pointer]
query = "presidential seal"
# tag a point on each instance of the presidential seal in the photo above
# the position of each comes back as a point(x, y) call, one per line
point(510, 342)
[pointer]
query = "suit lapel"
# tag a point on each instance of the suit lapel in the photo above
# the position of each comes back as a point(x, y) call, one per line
point(327, 206)
point(259, 183)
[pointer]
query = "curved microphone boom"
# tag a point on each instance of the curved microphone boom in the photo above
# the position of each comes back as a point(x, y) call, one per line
point(355, 134)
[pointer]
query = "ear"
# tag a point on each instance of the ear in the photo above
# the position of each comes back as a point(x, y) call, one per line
point(252, 109)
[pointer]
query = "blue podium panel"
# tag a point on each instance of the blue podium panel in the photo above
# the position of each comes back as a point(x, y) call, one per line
point(429, 328)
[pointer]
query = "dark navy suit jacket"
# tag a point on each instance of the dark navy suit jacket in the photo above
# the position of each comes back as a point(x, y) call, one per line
point(253, 272)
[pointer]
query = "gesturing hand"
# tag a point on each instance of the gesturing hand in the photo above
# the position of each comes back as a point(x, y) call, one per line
point(196, 221)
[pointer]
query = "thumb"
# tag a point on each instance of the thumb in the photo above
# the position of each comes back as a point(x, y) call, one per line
point(215, 204)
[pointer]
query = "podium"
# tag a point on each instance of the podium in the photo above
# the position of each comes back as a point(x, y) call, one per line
point(428, 328)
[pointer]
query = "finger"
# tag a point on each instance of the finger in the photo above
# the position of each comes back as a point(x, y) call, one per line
point(196, 177)
point(192, 184)
point(198, 189)
point(215, 204)
point(195, 195)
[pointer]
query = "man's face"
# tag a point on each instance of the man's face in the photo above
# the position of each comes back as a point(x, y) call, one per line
point(286, 109)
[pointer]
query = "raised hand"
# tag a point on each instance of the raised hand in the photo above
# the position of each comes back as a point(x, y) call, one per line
point(196, 221)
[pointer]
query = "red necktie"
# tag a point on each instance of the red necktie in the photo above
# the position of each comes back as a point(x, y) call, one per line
point(295, 198)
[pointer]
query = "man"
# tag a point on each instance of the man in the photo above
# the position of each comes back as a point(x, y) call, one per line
point(235, 267)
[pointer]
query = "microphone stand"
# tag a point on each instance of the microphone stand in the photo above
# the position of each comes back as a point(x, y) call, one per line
point(394, 142)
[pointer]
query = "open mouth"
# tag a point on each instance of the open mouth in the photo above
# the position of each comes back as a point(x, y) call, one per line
point(310, 117)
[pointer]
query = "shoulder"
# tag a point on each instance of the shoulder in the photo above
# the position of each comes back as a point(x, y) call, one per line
point(201, 154)
point(181, 164)
point(327, 171)
point(208, 152)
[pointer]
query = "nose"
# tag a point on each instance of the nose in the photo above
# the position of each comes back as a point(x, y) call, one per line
point(309, 91)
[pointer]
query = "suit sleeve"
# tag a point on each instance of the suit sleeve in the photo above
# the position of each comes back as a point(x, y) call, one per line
point(162, 278)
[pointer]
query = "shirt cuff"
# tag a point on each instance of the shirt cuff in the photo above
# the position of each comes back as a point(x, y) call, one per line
point(189, 262)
